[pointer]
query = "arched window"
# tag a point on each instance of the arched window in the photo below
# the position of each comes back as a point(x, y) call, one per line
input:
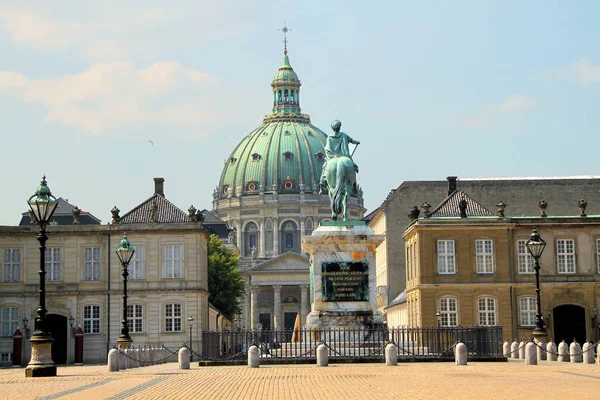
point(527, 310)
point(308, 227)
point(292, 98)
point(486, 309)
point(286, 93)
point(251, 239)
point(288, 155)
point(448, 307)
point(290, 240)
point(279, 97)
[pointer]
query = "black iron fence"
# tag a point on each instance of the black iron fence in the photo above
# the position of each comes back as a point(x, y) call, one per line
point(483, 342)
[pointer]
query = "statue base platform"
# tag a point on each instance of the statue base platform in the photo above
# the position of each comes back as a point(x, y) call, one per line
point(41, 363)
point(343, 283)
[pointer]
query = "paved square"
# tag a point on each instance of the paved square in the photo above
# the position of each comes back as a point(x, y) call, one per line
point(512, 380)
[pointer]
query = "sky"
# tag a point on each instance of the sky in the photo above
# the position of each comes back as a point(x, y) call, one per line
point(104, 96)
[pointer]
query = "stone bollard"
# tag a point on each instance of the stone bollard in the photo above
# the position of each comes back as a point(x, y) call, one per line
point(184, 358)
point(588, 352)
point(113, 360)
point(530, 354)
point(541, 352)
point(522, 350)
point(129, 355)
point(506, 349)
point(514, 350)
point(253, 356)
point(135, 353)
point(152, 354)
point(575, 351)
point(322, 355)
point(598, 354)
point(391, 354)
point(460, 354)
point(551, 349)
point(563, 352)
point(122, 360)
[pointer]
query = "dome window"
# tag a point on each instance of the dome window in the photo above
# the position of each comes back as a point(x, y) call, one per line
point(310, 133)
point(252, 186)
point(288, 155)
point(256, 157)
point(320, 156)
point(232, 160)
point(288, 184)
point(287, 133)
point(225, 189)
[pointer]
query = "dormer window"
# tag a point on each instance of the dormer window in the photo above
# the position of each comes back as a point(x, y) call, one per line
point(225, 189)
point(287, 133)
point(288, 184)
point(288, 155)
point(232, 160)
point(252, 186)
point(256, 157)
point(320, 156)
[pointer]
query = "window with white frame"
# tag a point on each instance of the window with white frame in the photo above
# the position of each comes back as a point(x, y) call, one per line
point(5, 357)
point(565, 249)
point(11, 265)
point(91, 264)
point(487, 311)
point(484, 256)
point(446, 257)
point(135, 317)
point(173, 318)
point(53, 264)
point(527, 311)
point(10, 320)
point(448, 311)
point(91, 319)
point(136, 265)
point(173, 261)
point(525, 260)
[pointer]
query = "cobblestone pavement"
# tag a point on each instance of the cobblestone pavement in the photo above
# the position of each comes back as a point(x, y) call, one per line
point(513, 380)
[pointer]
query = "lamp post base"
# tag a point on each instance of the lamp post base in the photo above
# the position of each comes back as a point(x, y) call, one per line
point(41, 363)
point(124, 343)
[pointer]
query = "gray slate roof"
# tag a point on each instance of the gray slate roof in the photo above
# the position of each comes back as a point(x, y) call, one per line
point(449, 207)
point(166, 212)
point(63, 215)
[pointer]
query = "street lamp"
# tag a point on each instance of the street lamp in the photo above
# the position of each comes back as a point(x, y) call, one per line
point(438, 315)
point(125, 253)
point(535, 246)
point(190, 321)
point(42, 205)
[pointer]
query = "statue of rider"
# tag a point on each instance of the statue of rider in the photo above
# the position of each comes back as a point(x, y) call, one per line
point(337, 146)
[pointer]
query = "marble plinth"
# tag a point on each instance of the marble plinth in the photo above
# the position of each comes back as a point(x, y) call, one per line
point(343, 280)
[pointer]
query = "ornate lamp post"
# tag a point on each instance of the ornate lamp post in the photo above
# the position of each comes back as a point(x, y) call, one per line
point(125, 253)
point(438, 315)
point(535, 246)
point(42, 205)
point(190, 321)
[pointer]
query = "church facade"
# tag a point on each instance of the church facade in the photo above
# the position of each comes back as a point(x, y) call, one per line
point(268, 196)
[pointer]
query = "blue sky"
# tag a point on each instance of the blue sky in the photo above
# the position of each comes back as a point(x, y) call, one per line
point(468, 88)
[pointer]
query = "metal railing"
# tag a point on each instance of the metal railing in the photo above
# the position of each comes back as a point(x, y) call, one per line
point(357, 344)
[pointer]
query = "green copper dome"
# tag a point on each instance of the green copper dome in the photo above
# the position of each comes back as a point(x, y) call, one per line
point(283, 155)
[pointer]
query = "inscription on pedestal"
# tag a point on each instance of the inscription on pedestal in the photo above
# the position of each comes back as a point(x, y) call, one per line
point(345, 281)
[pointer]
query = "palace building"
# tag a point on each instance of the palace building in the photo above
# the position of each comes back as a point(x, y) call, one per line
point(268, 195)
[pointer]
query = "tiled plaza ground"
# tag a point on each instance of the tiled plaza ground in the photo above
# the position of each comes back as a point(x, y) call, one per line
point(512, 380)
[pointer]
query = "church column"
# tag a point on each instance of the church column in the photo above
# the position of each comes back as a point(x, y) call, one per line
point(301, 229)
point(240, 244)
point(261, 230)
point(254, 307)
point(303, 304)
point(275, 237)
point(277, 306)
point(247, 307)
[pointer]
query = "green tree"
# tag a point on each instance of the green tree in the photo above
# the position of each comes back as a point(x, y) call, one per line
point(225, 284)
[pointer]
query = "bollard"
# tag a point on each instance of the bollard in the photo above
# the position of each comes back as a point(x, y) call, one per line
point(135, 354)
point(506, 349)
point(183, 356)
point(253, 356)
point(598, 353)
point(563, 352)
point(461, 354)
point(541, 346)
point(575, 351)
point(113, 360)
point(551, 349)
point(322, 355)
point(530, 354)
point(391, 354)
point(128, 358)
point(522, 350)
point(588, 352)
point(514, 350)
point(122, 360)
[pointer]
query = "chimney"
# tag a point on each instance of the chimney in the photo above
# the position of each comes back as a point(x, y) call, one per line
point(451, 184)
point(159, 186)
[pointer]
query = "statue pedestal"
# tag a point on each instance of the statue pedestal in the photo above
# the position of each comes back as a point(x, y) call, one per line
point(343, 283)
point(41, 363)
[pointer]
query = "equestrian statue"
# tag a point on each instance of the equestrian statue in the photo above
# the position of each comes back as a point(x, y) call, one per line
point(338, 176)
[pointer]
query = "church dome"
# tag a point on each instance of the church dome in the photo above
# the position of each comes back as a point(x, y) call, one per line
point(283, 155)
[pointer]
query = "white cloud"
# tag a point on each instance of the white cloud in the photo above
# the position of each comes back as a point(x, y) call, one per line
point(113, 95)
point(512, 104)
point(581, 70)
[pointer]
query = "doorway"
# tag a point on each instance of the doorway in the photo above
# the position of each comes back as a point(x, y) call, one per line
point(569, 323)
point(57, 325)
